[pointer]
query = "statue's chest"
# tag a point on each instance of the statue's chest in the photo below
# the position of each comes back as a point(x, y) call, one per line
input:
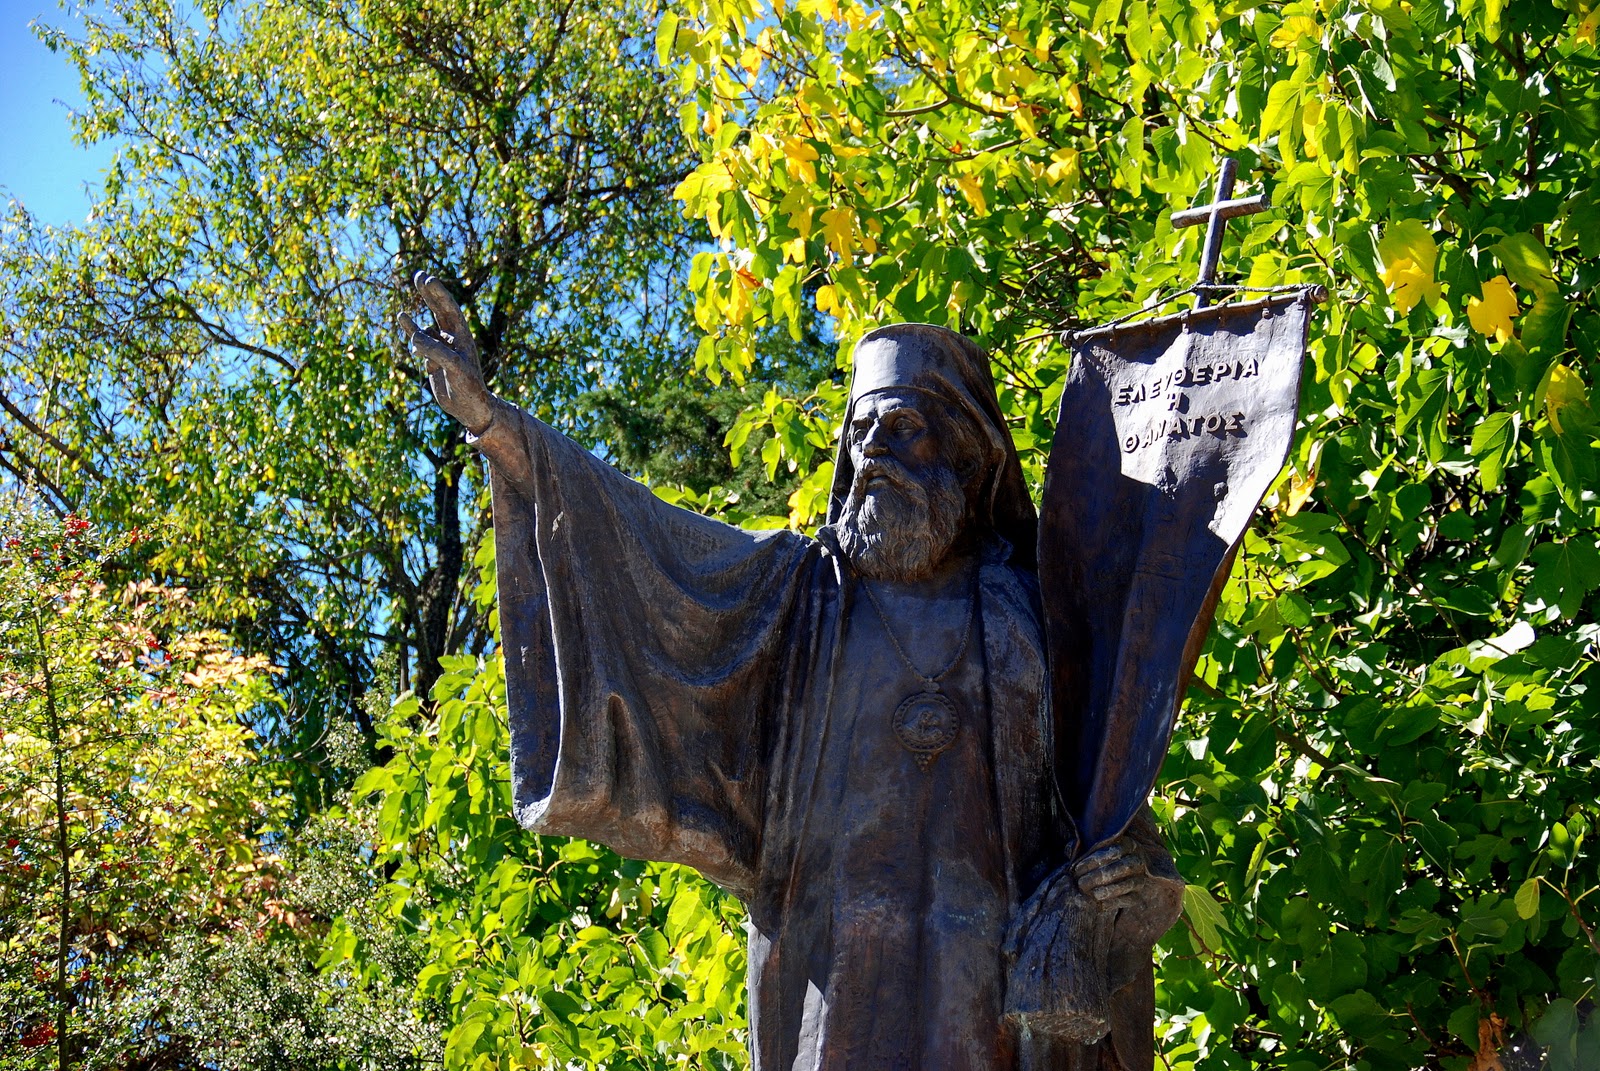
point(913, 687)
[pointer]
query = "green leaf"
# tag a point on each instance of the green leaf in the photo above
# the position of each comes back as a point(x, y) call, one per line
point(1205, 915)
point(666, 35)
point(1557, 1031)
point(1422, 403)
point(1283, 99)
point(1527, 899)
point(1544, 328)
point(1527, 261)
point(1492, 442)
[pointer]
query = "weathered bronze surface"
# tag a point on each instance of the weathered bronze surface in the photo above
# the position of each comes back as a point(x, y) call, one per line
point(880, 738)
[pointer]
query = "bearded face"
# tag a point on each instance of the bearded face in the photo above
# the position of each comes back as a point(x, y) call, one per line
point(908, 505)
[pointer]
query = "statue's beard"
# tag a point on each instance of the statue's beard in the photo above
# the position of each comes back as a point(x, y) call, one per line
point(902, 526)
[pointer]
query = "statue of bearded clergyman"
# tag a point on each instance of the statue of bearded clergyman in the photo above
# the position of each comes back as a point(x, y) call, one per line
point(852, 733)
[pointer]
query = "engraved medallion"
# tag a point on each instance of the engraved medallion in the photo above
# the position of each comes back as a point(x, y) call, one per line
point(926, 724)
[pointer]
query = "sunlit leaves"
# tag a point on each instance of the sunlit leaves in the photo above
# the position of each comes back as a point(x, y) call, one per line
point(1493, 314)
point(215, 343)
point(540, 951)
point(133, 805)
point(1409, 254)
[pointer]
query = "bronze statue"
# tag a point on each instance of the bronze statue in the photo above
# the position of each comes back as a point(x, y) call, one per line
point(877, 738)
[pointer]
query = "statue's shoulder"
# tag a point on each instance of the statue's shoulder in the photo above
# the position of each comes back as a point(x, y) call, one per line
point(1011, 581)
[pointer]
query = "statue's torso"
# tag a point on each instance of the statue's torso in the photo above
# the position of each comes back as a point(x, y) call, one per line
point(883, 894)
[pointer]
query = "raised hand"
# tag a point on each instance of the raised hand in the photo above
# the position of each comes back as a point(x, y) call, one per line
point(451, 356)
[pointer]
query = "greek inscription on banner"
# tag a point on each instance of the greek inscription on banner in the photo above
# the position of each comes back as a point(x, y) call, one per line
point(1181, 417)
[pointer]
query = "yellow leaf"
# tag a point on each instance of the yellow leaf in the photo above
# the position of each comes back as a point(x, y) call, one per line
point(1409, 254)
point(827, 300)
point(972, 188)
point(1564, 391)
point(794, 251)
point(1587, 27)
point(856, 17)
point(1310, 119)
point(1292, 30)
point(1492, 314)
point(838, 230)
point(738, 308)
point(1025, 121)
point(1064, 167)
point(1300, 488)
point(798, 155)
point(716, 178)
point(1407, 281)
point(750, 60)
point(800, 220)
point(1074, 98)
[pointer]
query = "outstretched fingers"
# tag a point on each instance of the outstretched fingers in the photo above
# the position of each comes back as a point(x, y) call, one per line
point(446, 313)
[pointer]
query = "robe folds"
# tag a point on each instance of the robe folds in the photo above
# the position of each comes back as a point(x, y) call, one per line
point(687, 691)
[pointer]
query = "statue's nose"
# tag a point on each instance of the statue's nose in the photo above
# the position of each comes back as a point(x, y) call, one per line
point(872, 444)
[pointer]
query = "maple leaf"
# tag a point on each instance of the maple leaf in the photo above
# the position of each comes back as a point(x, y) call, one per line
point(798, 155)
point(838, 229)
point(1493, 312)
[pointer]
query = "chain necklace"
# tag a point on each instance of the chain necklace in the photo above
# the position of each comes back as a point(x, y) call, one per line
point(925, 722)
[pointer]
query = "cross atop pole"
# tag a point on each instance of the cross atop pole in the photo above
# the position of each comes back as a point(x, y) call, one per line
point(1223, 207)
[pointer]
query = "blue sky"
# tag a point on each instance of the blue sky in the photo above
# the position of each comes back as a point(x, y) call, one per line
point(39, 163)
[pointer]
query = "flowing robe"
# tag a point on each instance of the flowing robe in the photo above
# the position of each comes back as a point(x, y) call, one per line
point(687, 691)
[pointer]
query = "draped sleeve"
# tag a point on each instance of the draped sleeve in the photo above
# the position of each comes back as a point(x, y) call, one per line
point(643, 645)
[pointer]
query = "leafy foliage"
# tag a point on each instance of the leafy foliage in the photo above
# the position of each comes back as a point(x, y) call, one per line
point(543, 951)
point(209, 350)
point(131, 801)
point(1381, 787)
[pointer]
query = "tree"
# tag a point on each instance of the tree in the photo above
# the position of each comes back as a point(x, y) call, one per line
point(211, 350)
point(132, 803)
point(1381, 786)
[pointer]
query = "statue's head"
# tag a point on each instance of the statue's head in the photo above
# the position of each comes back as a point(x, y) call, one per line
point(926, 465)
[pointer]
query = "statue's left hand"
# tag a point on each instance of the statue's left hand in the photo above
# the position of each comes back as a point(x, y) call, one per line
point(1113, 872)
point(1121, 876)
point(451, 356)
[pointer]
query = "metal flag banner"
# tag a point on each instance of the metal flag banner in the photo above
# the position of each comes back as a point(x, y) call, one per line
point(1170, 432)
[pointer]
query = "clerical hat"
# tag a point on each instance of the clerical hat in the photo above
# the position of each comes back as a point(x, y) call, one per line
point(955, 369)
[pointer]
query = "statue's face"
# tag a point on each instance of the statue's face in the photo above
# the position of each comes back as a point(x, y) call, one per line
point(908, 504)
